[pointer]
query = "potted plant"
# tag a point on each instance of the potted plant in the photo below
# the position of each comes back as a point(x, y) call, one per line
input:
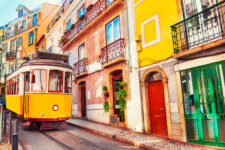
point(106, 95)
point(106, 106)
point(121, 96)
point(105, 91)
point(72, 26)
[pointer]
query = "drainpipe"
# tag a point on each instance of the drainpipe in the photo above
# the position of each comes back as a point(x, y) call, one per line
point(130, 61)
point(128, 36)
point(15, 66)
point(35, 39)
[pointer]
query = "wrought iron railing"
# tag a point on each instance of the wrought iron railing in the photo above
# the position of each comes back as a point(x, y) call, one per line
point(80, 67)
point(200, 28)
point(112, 52)
point(86, 19)
point(10, 55)
point(19, 30)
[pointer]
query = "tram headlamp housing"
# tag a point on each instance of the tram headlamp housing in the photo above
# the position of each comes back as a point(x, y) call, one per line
point(55, 107)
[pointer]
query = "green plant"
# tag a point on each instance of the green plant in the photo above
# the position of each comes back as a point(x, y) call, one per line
point(62, 39)
point(106, 106)
point(104, 88)
point(121, 95)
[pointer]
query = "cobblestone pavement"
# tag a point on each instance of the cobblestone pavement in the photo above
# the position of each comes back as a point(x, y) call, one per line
point(149, 141)
point(72, 138)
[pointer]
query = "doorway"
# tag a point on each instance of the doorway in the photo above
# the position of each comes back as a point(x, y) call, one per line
point(157, 108)
point(117, 78)
point(83, 99)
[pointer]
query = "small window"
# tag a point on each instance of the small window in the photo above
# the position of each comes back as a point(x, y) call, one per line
point(55, 81)
point(81, 52)
point(13, 45)
point(68, 82)
point(113, 30)
point(34, 23)
point(69, 24)
point(20, 40)
point(27, 81)
point(81, 11)
point(69, 58)
point(31, 38)
point(39, 79)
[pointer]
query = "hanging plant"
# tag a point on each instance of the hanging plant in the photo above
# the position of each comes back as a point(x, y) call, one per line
point(105, 91)
point(121, 95)
point(106, 106)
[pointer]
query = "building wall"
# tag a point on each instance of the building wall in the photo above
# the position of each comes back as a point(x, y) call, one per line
point(154, 47)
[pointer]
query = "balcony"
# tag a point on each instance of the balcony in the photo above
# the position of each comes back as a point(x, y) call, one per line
point(84, 21)
point(112, 53)
point(80, 68)
point(19, 30)
point(10, 55)
point(191, 35)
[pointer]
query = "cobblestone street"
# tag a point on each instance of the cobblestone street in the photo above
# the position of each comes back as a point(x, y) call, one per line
point(72, 138)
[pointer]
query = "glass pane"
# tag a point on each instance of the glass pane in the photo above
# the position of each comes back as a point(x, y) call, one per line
point(109, 32)
point(201, 102)
point(191, 92)
point(39, 80)
point(81, 52)
point(206, 77)
point(185, 93)
point(116, 28)
point(27, 81)
point(68, 82)
point(207, 125)
point(55, 83)
point(221, 127)
point(191, 125)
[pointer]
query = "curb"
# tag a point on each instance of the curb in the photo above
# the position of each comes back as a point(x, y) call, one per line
point(121, 139)
point(137, 144)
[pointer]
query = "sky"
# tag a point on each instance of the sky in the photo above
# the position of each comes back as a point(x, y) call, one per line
point(8, 8)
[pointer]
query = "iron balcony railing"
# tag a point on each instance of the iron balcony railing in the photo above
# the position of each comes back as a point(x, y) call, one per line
point(112, 52)
point(19, 30)
point(200, 28)
point(80, 67)
point(10, 55)
point(86, 19)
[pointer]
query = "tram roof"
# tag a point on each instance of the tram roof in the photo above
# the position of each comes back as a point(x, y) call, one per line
point(45, 62)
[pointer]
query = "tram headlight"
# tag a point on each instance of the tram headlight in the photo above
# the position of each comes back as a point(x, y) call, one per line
point(55, 107)
point(41, 114)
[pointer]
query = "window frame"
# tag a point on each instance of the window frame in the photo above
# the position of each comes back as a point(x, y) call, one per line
point(46, 82)
point(29, 44)
point(50, 91)
point(83, 44)
point(69, 21)
point(70, 83)
point(111, 22)
point(83, 6)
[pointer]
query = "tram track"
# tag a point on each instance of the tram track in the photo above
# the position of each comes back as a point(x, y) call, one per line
point(67, 140)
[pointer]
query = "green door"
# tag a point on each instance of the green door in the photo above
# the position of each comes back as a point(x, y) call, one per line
point(203, 97)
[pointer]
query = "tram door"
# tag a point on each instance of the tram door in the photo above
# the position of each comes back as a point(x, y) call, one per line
point(83, 99)
point(203, 93)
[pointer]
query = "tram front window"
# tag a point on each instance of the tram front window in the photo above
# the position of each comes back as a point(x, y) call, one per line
point(39, 80)
point(68, 82)
point(27, 81)
point(55, 81)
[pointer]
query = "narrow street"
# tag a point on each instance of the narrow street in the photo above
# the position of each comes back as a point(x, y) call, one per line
point(68, 139)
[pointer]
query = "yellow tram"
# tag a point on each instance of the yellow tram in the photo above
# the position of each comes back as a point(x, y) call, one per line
point(39, 91)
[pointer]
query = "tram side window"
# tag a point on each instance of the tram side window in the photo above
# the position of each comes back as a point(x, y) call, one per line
point(27, 81)
point(39, 79)
point(55, 81)
point(13, 86)
point(68, 83)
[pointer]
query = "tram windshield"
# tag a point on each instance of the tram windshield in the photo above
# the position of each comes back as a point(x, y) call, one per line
point(55, 81)
point(39, 79)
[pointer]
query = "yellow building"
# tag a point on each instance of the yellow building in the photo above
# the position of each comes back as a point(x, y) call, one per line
point(20, 36)
point(155, 58)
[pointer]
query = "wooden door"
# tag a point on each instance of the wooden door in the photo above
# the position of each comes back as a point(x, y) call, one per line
point(157, 108)
point(83, 101)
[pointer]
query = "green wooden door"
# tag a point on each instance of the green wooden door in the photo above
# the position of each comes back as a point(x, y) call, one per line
point(203, 97)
